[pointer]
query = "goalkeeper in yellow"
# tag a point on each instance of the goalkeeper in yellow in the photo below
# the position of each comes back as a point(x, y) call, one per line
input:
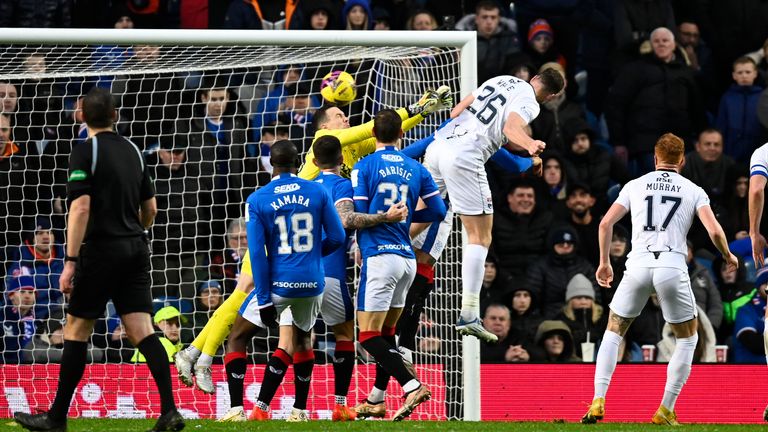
point(356, 142)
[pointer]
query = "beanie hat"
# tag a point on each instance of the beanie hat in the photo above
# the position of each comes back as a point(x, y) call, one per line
point(579, 286)
point(562, 235)
point(540, 26)
point(761, 277)
point(20, 283)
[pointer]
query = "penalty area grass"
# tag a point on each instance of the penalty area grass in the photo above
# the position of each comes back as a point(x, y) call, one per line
point(101, 425)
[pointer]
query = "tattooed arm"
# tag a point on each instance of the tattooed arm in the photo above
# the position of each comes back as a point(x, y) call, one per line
point(353, 220)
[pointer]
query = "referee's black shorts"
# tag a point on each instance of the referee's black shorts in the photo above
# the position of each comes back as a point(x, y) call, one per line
point(116, 269)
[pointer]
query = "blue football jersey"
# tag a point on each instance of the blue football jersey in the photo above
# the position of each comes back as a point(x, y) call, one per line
point(379, 181)
point(340, 190)
point(285, 221)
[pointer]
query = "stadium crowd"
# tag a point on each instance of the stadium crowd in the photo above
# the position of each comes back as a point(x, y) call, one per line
point(635, 69)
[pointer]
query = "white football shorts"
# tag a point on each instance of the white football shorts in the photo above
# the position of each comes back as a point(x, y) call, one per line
point(672, 287)
point(459, 171)
point(336, 307)
point(301, 311)
point(434, 239)
point(384, 282)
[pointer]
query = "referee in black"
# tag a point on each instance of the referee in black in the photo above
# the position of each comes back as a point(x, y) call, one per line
point(111, 203)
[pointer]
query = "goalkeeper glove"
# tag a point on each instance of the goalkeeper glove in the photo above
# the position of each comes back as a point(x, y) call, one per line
point(268, 315)
point(431, 101)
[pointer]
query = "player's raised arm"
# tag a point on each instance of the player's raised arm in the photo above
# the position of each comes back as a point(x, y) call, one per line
point(604, 274)
point(257, 249)
point(514, 130)
point(717, 235)
point(334, 231)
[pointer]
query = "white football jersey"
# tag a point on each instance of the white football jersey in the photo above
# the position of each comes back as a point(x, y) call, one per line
point(758, 163)
point(482, 123)
point(662, 205)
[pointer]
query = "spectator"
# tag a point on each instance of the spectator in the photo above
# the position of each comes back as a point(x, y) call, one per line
point(508, 349)
point(737, 114)
point(217, 138)
point(584, 221)
point(554, 343)
point(705, 347)
point(735, 292)
point(421, 20)
point(496, 39)
point(548, 277)
point(618, 255)
point(18, 318)
point(525, 315)
point(519, 231)
point(320, 15)
point(634, 24)
point(699, 58)
point(555, 177)
point(708, 166)
point(524, 71)
point(263, 15)
point(591, 164)
point(735, 205)
point(583, 316)
point(41, 13)
point(225, 266)
point(556, 113)
point(704, 290)
point(357, 15)
point(495, 281)
point(209, 298)
point(9, 98)
point(42, 259)
point(381, 19)
point(652, 96)
point(748, 346)
point(12, 170)
point(541, 46)
point(596, 52)
point(180, 234)
point(168, 320)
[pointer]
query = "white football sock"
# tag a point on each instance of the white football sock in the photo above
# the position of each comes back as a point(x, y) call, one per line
point(678, 369)
point(204, 360)
point(607, 356)
point(376, 395)
point(472, 272)
point(193, 352)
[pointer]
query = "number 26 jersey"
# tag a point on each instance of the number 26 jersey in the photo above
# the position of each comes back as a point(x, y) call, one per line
point(662, 204)
point(481, 125)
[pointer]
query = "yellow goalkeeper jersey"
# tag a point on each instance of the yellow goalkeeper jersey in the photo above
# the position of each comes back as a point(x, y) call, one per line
point(356, 142)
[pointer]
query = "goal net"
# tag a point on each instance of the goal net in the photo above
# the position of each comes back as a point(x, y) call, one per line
point(203, 108)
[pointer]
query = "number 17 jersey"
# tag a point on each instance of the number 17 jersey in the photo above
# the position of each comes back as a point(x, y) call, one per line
point(481, 125)
point(662, 204)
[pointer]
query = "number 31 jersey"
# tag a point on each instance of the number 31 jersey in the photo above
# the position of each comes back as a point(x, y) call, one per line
point(380, 180)
point(662, 204)
point(482, 123)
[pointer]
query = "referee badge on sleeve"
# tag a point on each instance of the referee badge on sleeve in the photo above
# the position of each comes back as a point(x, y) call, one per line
point(78, 175)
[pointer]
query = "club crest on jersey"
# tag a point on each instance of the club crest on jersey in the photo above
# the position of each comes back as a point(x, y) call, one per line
point(287, 188)
point(392, 158)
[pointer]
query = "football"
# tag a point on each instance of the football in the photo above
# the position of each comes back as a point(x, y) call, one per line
point(338, 87)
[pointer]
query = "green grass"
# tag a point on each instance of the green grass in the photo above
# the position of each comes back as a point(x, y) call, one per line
point(100, 425)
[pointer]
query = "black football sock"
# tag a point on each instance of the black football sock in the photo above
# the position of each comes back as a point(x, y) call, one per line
point(386, 355)
point(303, 363)
point(157, 361)
point(273, 375)
point(235, 365)
point(382, 376)
point(71, 371)
point(343, 367)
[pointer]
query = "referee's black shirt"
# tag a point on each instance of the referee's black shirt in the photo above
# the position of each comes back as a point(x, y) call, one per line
point(112, 171)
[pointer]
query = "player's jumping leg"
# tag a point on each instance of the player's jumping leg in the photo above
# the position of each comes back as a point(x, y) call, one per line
point(678, 370)
point(607, 357)
point(478, 229)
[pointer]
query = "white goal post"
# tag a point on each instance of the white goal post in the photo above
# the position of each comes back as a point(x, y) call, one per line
point(404, 58)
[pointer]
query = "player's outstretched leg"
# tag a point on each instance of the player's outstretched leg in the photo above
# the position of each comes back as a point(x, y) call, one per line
point(607, 357)
point(478, 229)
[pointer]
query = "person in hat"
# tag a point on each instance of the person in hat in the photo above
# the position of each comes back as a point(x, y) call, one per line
point(581, 204)
point(554, 343)
point(18, 318)
point(320, 15)
point(40, 257)
point(582, 315)
point(168, 320)
point(210, 295)
point(524, 313)
point(548, 278)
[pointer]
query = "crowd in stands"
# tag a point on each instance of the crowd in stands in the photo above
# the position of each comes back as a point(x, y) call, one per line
point(635, 69)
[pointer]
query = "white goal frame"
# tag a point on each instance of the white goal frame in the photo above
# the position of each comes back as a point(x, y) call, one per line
point(464, 40)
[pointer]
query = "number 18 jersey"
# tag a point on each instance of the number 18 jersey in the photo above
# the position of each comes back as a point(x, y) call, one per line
point(482, 123)
point(662, 204)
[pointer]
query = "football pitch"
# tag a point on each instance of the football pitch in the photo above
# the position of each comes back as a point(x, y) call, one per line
point(100, 425)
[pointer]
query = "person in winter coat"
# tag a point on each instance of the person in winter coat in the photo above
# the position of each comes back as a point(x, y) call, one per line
point(654, 95)
point(525, 316)
point(209, 298)
point(496, 281)
point(555, 179)
point(520, 231)
point(704, 290)
point(618, 252)
point(737, 114)
point(582, 315)
point(735, 292)
point(554, 343)
point(497, 40)
point(548, 278)
point(748, 329)
point(263, 15)
point(509, 348)
point(357, 15)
